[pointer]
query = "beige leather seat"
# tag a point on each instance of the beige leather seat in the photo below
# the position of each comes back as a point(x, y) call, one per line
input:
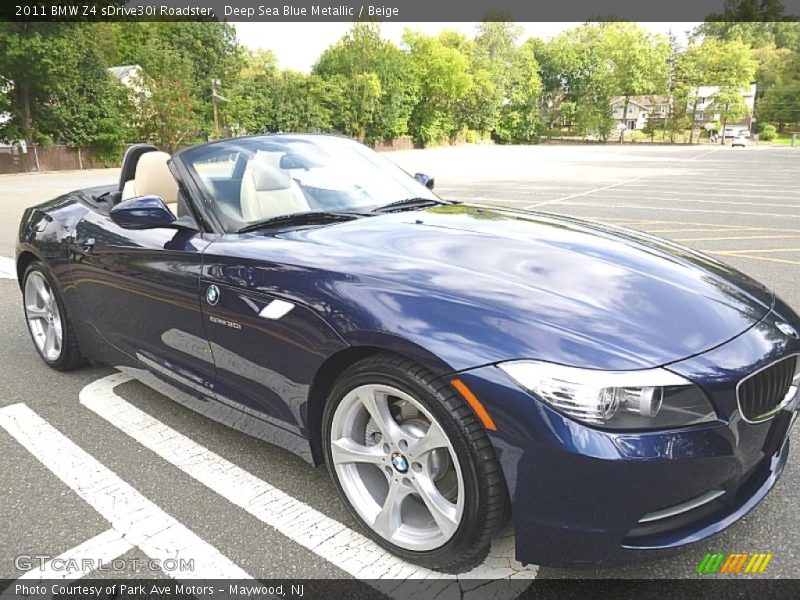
point(267, 191)
point(153, 179)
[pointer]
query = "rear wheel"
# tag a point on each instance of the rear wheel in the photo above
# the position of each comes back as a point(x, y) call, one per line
point(413, 464)
point(48, 323)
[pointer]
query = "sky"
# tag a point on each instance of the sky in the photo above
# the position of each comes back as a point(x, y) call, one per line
point(298, 45)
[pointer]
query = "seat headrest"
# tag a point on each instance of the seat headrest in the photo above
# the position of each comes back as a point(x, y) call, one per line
point(267, 178)
point(130, 160)
point(153, 177)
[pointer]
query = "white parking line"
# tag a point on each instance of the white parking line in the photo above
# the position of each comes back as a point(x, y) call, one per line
point(133, 516)
point(587, 192)
point(675, 209)
point(669, 197)
point(719, 188)
point(346, 549)
point(8, 268)
point(615, 185)
point(70, 565)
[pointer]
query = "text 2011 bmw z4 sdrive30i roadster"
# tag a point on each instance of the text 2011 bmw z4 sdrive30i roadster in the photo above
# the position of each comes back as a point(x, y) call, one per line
point(615, 395)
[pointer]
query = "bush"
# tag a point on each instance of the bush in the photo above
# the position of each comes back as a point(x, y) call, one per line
point(768, 133)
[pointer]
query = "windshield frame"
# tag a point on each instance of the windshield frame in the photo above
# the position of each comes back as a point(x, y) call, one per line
point(206, 202)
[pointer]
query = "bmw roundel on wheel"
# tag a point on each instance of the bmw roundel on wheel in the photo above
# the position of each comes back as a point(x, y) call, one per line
point(454, 366)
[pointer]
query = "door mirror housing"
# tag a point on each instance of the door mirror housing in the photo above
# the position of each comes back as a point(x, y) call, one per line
point(424, 179)
point(144, 212)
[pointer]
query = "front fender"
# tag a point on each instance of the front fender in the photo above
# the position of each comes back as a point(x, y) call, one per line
point(399, 345)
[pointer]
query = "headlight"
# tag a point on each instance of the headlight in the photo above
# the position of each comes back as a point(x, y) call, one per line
point(650, 399)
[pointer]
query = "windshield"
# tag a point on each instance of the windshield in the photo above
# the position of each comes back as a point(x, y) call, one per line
point(250, 180)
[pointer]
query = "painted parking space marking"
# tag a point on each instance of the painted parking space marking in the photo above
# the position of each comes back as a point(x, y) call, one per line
point(670, 198)
point(751, 255)
point(724, 233)
point(720, 228)
point(661, 223)
point(717, 189)
point(8, 268)
point(692, 226)
point(586, 193)
point(737, 237)
point(137, 519)
point(620, 184)
point(104, 547)
point(777, 183)
point(348, 550)
point(676, 209)
point(753, 251)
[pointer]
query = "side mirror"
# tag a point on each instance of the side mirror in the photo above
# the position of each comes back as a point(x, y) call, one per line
point(425, 180)
point(144, 212)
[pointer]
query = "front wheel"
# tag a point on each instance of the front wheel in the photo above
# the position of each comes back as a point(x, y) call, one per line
point(48, 323)
point(413, 464)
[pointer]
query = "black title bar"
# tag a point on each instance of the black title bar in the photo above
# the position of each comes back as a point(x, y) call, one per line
point(395, 10)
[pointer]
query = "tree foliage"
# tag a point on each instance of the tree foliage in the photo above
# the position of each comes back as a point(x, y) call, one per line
point(55, 87)
point(775, 42)
point(374, 76)
point(443, 73)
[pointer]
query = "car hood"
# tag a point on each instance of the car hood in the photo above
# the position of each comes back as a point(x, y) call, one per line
point(546, 283)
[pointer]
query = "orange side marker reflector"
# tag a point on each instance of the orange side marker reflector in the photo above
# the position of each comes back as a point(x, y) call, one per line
point(476, 405)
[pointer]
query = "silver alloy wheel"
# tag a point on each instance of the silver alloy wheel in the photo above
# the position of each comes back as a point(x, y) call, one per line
point(397, 467)
point(43, 315)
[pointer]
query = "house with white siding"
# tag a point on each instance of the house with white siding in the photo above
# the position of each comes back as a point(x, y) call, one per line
point(639, 110)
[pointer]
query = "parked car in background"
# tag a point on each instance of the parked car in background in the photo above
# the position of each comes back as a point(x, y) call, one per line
point(740, 140)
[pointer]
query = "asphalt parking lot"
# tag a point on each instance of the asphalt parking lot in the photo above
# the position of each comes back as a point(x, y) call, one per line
point(88, 446)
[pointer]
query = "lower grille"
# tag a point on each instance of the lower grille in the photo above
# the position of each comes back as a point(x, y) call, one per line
point(764, 392)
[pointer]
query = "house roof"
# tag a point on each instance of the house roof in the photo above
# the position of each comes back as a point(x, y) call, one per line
point(642, 101)
point(124, 71)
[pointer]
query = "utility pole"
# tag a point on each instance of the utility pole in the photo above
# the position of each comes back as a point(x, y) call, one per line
point(216, 98)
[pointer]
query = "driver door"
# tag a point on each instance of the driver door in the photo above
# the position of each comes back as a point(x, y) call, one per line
point(140, 291)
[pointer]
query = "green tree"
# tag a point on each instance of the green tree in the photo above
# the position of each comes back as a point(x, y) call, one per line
point(204, 50)
point(520, 117)
point(444, 76)
point(31, 56)
point(374, 75)
point(302, 102)
point(635, 61)
point(778, 77)
point(494, 56)
point(87, 106)
point(57, 88)
point(756, 23)
point(167, 113)
point(730, 106)
point(775, 40)
point(583, 68)
point(250, 105)
point(727, 65)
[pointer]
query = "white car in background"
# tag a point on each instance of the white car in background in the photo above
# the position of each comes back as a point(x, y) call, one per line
point(740, 140)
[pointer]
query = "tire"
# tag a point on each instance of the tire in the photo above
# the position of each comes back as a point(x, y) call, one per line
point(41, 315)
point(460, 477)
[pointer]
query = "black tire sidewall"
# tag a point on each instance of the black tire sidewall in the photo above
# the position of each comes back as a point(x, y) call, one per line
point(467, 530)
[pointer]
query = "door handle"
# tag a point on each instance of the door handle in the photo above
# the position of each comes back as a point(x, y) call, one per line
point(87, 246)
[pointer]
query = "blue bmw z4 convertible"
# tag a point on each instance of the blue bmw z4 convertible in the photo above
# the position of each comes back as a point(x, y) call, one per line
point(615, 395)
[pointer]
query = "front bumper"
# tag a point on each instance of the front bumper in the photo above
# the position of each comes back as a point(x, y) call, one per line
point(582, 497)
